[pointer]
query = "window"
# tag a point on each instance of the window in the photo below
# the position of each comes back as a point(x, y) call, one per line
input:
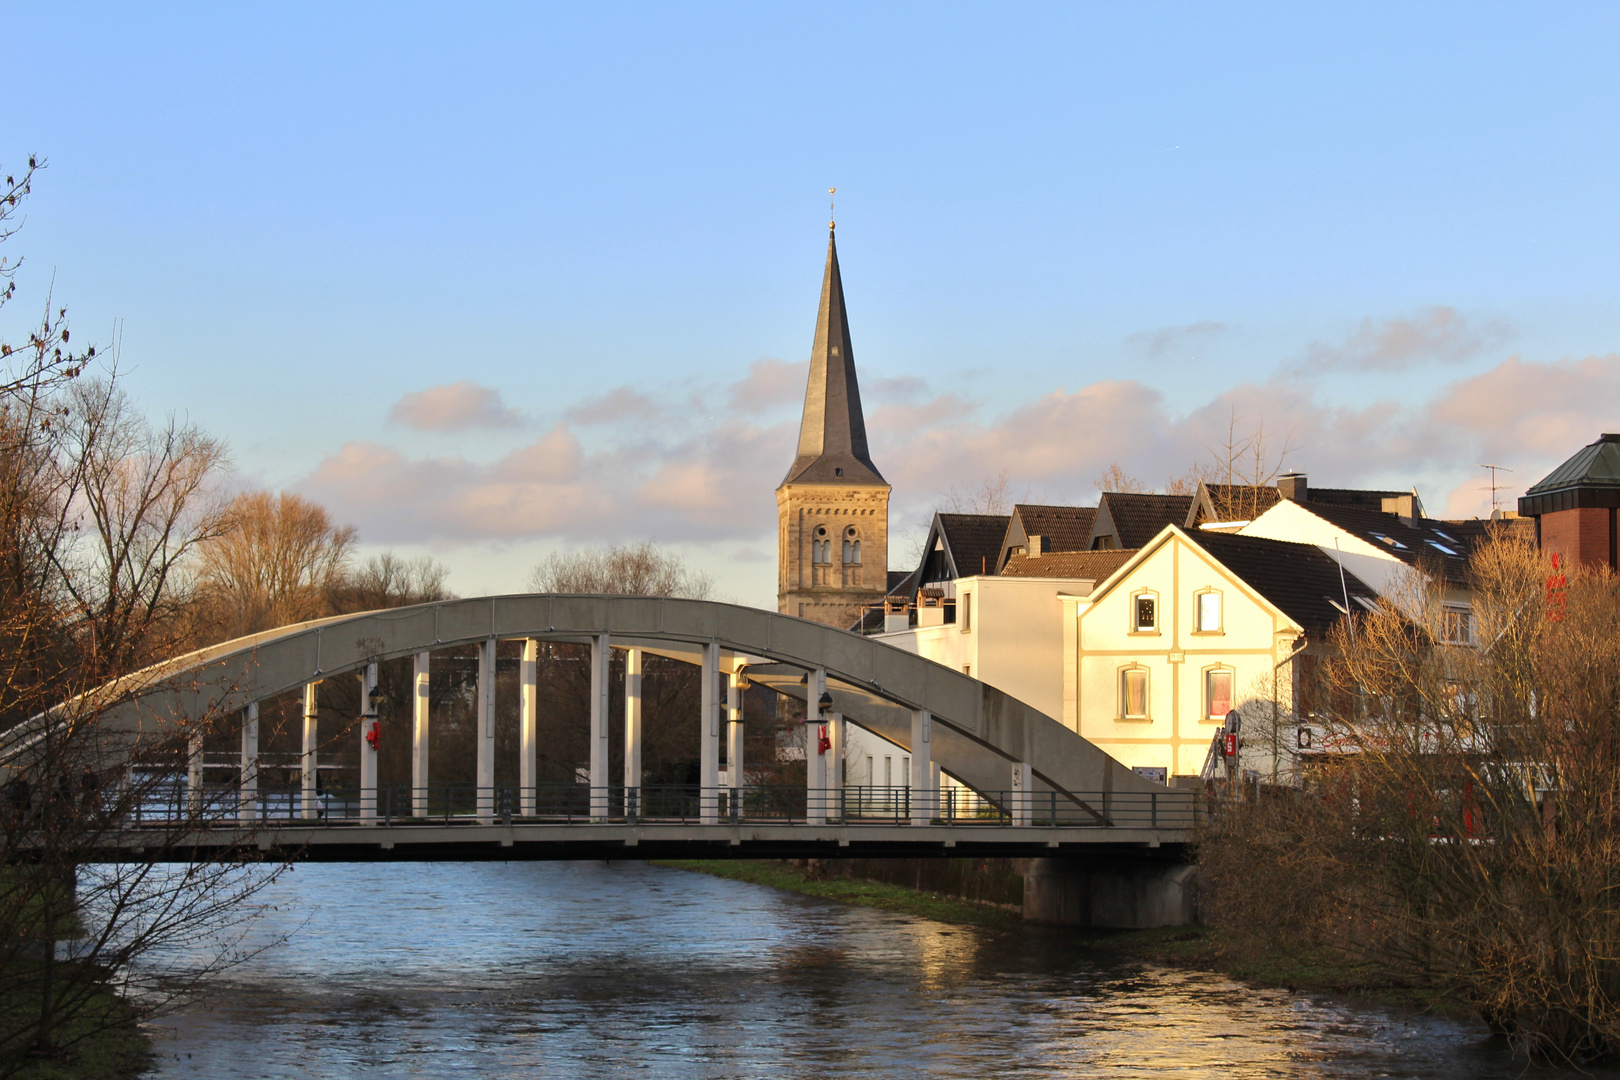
point(820, 546)
point(1457, 626)
point(871, 777)
point(852, 546)
point(1133, 693)
point(888, 771)
point(1217, 693)
point(965, 616)
point(1207, 612)
point(1145, 612)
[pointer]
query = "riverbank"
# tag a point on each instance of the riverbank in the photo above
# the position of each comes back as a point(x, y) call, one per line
point(101, 1040)
point(1200, 947)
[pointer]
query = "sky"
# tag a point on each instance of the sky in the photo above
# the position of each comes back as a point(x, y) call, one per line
point(492, 281)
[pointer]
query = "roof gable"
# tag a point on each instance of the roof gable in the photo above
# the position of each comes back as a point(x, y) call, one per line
point(1127, 520)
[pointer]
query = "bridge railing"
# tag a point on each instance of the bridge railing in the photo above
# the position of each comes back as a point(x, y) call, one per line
point(570, 804)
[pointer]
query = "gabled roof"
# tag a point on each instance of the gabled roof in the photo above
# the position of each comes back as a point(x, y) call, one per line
point(960, 545)
point(1230, 502)
point(1300, 579)
point(1084, 565)
point(1362, 498)
point(1067, 527)
point(1425, 543)
point(1590, 478)
point(1132, 520)
point(1061, 528)
point(832, 434)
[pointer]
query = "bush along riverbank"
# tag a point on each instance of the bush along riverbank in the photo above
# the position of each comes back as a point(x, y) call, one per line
point(1201, 947)
point(98, 1039)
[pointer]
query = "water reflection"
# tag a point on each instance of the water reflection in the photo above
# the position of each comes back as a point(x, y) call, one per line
point(588, 969)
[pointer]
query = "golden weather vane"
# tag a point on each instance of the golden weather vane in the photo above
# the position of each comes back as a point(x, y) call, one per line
point(832, 222)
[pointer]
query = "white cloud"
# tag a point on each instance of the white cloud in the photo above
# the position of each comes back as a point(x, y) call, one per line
point(455, 406)
point(1436, 333)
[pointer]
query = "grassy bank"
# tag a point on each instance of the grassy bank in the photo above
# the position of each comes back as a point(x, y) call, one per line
point(1198, 947)
point(872, 894)
point(100, 1040)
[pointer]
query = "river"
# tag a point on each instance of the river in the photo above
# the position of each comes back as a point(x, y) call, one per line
point(598, 970)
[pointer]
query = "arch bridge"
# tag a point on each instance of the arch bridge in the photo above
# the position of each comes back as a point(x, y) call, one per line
point(989, 774)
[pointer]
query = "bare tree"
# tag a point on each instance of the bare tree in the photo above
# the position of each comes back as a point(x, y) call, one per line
point(280, 560)
point(1459, 834)
point(387, 581)
point(643, 569)
point(1117, 479)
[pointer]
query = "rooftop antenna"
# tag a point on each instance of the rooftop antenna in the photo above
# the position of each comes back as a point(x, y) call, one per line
point(831, 221)
point(1494, 469)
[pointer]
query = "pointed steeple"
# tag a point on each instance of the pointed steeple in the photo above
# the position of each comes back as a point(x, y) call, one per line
point(832, 435)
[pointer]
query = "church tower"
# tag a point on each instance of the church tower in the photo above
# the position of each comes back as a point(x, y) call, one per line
point(833, 506)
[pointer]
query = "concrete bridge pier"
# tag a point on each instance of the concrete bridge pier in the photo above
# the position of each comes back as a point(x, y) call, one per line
point(368, 746)
point(421, 720)
point(1112, 893)
point(815, 763)
point(308, 797)
point(248, 797)
point(601, 653)
point(922, 804)
point(709, 777)
point(528, 721)
point(632, 733)
point(734, 744)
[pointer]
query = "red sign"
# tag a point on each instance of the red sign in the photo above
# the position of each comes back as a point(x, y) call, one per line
point(823, 743)
point(1231, 744)
point(374, 736)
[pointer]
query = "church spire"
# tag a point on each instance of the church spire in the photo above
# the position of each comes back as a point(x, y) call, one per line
point(832, 435)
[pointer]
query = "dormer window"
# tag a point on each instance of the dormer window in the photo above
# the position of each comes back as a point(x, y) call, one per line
point(1391, 541)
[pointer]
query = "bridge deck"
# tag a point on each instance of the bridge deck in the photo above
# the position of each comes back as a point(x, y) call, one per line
point(471, 842)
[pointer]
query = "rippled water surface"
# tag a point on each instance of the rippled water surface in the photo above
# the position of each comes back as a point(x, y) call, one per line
point(586, 969)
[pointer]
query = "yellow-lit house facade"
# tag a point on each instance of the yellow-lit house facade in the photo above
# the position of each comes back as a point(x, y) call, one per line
point(1189, 629)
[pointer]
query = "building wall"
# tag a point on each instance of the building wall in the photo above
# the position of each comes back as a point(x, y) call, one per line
point(1012, 640)
point(1580, 535)
point(1177, 732)
point(834, 594)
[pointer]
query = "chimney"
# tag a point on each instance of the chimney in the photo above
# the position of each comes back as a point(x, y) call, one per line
point(1293, 487)
point(1037, 545)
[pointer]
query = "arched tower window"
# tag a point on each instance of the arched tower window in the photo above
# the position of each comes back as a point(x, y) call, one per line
point(852, 546)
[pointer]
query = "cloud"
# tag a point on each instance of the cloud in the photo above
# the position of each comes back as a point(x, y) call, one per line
point(1436, 333)
point(770, 384)
point(692, 479)
point(1157, 343)
point(617, 405)
point(455, 406)
point(900, 389)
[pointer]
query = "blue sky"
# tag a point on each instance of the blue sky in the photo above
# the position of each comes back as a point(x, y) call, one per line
point(588, 239)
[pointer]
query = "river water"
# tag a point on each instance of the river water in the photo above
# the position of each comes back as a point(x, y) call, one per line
point(599, 970)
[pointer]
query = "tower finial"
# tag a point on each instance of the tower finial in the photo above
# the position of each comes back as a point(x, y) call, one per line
point(832, 222)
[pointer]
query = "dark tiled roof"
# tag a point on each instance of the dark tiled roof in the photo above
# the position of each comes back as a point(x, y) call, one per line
point(1366, 499)
point(899, 579)
point(973, 540)
point(1590, 478)
point(1596, 464)
point(1235, 502)
point(1421, 542)
point(1067, 528)
point(1298, 578)
point(1135, 519)
point(1087, 565)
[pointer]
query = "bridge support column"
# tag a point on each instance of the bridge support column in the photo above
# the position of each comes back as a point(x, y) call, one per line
point(309, 795)
point(734, 745)
point(368, 747)
point(1022, 796)
point(421, 720)
point(529, 719)
point(486, 731)
point(194, 774)
point(632, 733)
point(1115, 894)
point(709, 776)
point(601, 653)
point(922, 761)
point(836, 733)
point(247, 799)
point(815, 763)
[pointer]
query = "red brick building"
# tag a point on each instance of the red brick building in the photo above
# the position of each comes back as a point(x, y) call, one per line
point(1576, 505)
